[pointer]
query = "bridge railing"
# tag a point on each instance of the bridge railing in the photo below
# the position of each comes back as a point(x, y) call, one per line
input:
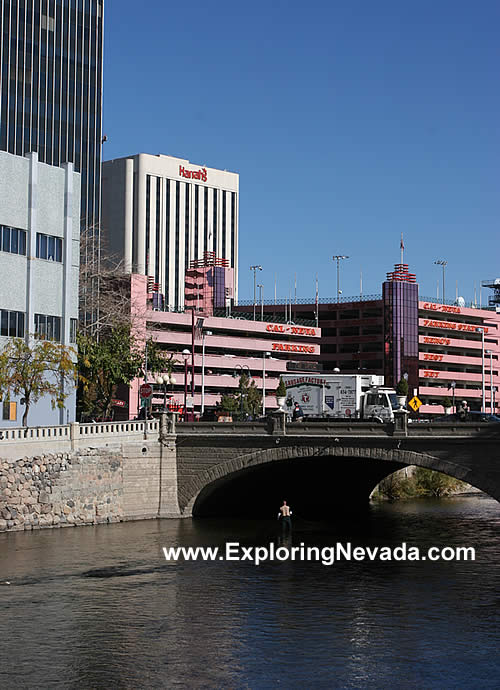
point(16, 442)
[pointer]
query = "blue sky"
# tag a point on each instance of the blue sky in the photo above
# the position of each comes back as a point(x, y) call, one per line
point(349, 122)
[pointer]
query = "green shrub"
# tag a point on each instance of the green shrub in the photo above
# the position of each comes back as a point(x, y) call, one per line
point(281, 390)
point(402, 387)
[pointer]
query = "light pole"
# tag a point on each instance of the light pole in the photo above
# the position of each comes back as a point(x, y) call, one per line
point(441, 262)
point(205, 333)
point(264, 355)
point(483, 404)
point(453, 385)
point(185, 354)
point(242, 367)
point(338, 258)
point(490, 353)
point(255, 269)
point(261, 300)
point(165, 381)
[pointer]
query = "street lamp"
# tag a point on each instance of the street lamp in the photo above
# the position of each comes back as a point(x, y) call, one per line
point(204, 334)
point(241, 367)
point(261, 300)
point(490, 353)
point(338, 258)
point(185, 354)
point(441, 262)
point(453, 385)
point(264, 355)
point(483, 404)
point(255, 269)
point(164, 381)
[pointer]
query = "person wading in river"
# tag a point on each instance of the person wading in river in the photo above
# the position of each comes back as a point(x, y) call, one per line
point(285, 516)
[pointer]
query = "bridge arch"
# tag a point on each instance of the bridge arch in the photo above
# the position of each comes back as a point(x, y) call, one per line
point(202, 484)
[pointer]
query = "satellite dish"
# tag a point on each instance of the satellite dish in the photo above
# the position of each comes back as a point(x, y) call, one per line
point(460, 302)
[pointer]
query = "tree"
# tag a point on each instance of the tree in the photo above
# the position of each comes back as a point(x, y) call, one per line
point(36, 369)
point(247, 400)
point(104, 286)
point(447, 403)
point(103, 365)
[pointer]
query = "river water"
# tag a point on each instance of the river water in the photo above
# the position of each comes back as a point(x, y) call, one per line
point(101, 608)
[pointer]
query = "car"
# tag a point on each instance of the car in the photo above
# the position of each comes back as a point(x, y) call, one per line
point(476, 416)
point(471, 416)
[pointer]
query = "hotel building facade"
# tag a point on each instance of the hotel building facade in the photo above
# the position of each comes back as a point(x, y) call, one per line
point(161, 213)
point(439, 347)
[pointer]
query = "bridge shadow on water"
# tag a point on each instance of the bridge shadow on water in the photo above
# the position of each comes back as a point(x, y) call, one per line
point(316, 489)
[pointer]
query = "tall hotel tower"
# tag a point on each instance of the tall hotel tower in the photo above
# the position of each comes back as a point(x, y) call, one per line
point(162, 214)
point(51, 87)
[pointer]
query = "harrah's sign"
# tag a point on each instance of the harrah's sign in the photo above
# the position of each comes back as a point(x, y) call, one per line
point(193, 174)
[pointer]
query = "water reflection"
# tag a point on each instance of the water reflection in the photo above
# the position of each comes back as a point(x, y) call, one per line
point(100, 607)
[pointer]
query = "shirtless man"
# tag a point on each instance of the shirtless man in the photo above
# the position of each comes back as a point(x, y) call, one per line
point(285, 516)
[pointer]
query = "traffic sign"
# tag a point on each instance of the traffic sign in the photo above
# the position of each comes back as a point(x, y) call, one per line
point(415, 403)
point(146, 390)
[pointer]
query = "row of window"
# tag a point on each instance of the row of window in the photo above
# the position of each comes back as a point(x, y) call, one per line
point(12, 324)
point(13, 240)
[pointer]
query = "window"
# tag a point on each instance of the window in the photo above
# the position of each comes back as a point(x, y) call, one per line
point(48, 327)
point(9, 411)
point(12, 323)
point(47, 22)
point(12, 240)
point(73, 325)
point(48, 247)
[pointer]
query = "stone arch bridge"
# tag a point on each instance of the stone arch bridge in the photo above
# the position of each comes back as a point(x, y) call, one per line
point(325, 460)
point(168, 470)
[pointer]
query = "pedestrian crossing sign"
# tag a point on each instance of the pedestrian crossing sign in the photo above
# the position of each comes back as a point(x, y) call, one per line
point(415, 403)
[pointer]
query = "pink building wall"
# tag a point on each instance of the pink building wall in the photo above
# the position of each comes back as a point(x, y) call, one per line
point(234, 343)
point(445, 330)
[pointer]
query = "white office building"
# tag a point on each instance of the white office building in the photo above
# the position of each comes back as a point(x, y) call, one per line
point(159, 213)
point(39, 266)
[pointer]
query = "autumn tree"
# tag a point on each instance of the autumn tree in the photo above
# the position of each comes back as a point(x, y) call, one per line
point(35, 369)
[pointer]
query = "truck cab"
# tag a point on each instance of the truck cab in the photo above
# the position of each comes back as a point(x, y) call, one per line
point(379, 403)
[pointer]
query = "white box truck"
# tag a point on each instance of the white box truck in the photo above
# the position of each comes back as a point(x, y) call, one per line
point(360, 396)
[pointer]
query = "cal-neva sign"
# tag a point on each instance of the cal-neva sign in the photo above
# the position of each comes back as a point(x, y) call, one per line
point(446, 308)
point(293, 330)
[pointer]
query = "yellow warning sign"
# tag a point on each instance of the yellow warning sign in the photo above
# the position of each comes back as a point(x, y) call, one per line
point(415, 403)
